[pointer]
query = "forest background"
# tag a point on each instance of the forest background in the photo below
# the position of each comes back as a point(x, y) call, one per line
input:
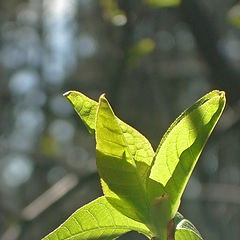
point(153, 59)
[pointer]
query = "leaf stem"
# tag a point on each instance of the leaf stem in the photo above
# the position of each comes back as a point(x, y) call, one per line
point(170, 232)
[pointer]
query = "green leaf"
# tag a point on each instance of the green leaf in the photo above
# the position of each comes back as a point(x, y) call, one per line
point(139, 50)
point(138, 145)
point(234, 15)
point(85, 107)
point(185, 230)
point(161, 215)
point(181, 146)
point(96, 220)
point(124, 158)
point(136, 181)
point(162, 3)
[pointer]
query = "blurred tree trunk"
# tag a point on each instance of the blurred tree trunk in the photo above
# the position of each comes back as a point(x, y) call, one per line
point(125, 42)
point(206, 33)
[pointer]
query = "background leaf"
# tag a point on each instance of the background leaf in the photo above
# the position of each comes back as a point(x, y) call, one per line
point(234, 15)
point(181, 146)
point(163, 3)
point(96, 220)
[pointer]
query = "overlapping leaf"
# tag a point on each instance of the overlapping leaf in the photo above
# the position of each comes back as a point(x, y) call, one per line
point(122, 183)
point(133, 178)
point(97, 220)
point(138, 145)
point(134, 146)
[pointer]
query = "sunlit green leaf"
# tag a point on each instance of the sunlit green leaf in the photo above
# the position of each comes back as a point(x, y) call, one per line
point(138, 145)
point(85, 107)
point(181, 146)
point(123, 162)
point(96, 220)
point(144, 186)
point(185, 230)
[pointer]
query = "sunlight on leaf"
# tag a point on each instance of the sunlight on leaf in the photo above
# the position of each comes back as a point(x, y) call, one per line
point(185, 230)
point(85, 107)
point(96, 220)
point(138, 145)
point(122, 162)
point(181, 146)
point(138, 183)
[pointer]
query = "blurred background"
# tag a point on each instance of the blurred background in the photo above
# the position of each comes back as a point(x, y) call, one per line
point(153, 59)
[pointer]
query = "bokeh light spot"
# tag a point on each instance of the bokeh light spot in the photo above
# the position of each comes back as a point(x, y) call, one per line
point(23, 81)
point(61, 130)
point(17, 170)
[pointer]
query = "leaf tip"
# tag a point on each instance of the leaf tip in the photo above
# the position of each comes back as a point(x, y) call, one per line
point(66, 93)
point(69, 95)
point(222, 97)
point(102, 97)
point(222, 94)
point(219, 94)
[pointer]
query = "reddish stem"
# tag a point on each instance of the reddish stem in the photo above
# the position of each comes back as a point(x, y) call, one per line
point(170, 233)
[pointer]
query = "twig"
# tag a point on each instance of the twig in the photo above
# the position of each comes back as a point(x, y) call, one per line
point(52, 195)
point(171, 230)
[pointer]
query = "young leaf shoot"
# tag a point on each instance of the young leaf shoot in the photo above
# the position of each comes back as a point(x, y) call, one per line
point(142, 188)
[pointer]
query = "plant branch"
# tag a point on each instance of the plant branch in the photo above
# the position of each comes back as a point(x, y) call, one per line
point(170, 232)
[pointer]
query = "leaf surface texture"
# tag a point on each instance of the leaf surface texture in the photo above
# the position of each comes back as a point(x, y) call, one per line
point(123, 162)
point(97, 220)
point(181, 146)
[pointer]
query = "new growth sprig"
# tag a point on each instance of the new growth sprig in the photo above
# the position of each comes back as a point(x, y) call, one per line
point(142, 187)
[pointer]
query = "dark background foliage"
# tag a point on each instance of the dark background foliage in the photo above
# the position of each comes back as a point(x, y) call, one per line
point(151, 62)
